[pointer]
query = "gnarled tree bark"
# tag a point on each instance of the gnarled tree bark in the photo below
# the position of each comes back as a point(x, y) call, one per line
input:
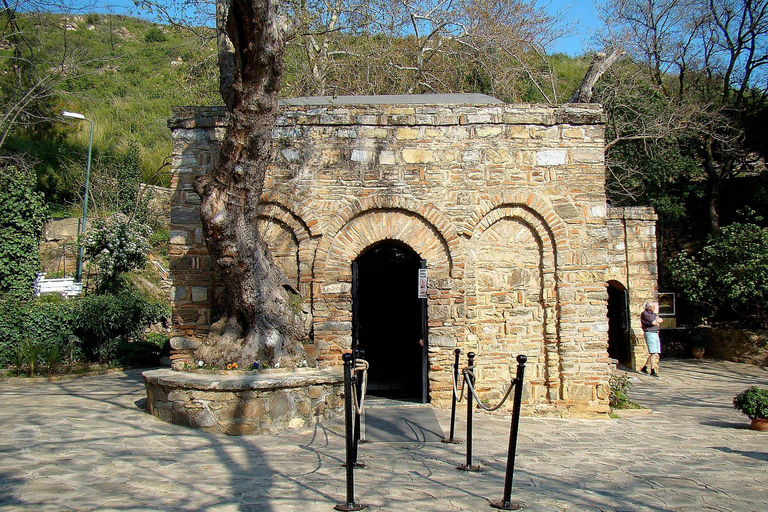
point(264, 321)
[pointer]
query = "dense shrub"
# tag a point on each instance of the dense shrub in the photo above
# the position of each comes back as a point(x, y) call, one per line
point(46, 323)
point(728, 279)
point(145, 351)
point(106, 321)
point(22, 214)
point(154, 35)
point(107, 328)
point(753, 402)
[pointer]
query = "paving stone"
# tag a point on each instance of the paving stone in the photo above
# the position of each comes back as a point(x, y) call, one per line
point(84, 445)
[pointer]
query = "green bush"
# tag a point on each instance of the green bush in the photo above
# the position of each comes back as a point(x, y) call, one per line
point(142, 352)
point(619, 397)
point(753, 402)
point(154, 35)
point(104, 328)
point(46, 323)
point(104, 322)
point(728, 279)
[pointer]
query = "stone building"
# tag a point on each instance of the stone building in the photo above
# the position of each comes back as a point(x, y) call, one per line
point(503, 206)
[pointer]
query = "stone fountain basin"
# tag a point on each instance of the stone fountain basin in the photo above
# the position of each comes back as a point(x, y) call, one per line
point(240, 403)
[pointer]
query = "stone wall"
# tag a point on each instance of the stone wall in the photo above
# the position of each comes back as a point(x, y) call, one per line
point(241, 403)
point(505, 203)
point(738, 345)
point(632, 252)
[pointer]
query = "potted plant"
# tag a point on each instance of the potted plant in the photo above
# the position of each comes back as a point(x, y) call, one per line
point(699, 343)
point(754, 403)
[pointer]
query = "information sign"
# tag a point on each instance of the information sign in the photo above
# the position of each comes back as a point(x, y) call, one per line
point(422, 283)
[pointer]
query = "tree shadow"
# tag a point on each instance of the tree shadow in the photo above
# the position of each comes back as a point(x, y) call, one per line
point(9, 482)
point(745, 453)
point(726, 424)
point(88, 431)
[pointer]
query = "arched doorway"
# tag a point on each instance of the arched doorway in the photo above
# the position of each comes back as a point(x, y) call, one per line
point(389, 320)
point(618, 322)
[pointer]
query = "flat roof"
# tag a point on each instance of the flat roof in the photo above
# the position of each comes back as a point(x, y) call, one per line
point(396, 99)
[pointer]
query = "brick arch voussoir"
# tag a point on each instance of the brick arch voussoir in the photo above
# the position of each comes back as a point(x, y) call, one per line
point(375, 226)
point(369, 227)
point(530, 202)
point(302, 216)
point(283, 215)
point(433, 217)
point(531, 218)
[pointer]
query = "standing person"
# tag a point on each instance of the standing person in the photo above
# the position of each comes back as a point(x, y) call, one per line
point(651, 320)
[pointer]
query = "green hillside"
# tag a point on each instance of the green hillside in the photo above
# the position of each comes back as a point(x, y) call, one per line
point(130, 72)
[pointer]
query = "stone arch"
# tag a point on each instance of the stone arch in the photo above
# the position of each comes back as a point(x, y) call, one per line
point(530, 217)
point(374, 226)
point(332, 273)
point(280, 219)
point(543, 236)
point(301, 214)
point(274, 210)
point(432, 217)
point(619, 335)
point(537, 207)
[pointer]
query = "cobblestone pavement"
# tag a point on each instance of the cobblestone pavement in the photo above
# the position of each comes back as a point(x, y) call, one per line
point(86, 444)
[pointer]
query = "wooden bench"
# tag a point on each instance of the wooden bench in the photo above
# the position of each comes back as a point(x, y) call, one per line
point(64, 286)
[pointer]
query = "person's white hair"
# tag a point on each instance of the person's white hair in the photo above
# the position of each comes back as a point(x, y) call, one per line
point(649, 305)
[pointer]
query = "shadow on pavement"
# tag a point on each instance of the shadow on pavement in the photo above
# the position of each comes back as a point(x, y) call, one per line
point(751, 454)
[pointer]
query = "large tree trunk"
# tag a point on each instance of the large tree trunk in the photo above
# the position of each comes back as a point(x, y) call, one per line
point(264, 321)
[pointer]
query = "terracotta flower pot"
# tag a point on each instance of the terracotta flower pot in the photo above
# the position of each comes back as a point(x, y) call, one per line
point(760, 424)
point(698, 353)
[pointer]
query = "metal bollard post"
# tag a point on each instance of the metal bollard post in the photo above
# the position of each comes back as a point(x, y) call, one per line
point(450, 438)
point(506, 503)
point(348, 405)
point(470, 403)
point(358, 383)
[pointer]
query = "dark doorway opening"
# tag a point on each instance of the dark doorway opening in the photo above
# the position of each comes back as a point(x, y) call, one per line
point(618, 323)
point(389, 321)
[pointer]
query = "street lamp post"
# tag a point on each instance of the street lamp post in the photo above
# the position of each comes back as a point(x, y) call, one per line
point(75, 115)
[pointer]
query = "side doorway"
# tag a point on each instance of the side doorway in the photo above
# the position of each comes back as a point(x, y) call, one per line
point(618, 323)
point(389, 321)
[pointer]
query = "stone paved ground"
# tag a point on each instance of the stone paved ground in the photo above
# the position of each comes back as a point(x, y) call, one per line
point(86, 445)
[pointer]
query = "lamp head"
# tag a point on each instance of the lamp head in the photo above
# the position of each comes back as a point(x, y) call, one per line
point(72, 115)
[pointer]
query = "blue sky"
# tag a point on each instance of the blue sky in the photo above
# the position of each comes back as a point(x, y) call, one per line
point(581, 13)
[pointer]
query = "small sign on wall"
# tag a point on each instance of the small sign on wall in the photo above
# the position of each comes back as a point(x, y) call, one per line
point(422, 283)
point(667, 310)
point(667, 304)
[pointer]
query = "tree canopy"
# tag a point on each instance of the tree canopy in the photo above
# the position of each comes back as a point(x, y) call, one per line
point(685, 105)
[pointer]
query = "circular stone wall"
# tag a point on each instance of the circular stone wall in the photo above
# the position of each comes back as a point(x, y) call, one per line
point(245, 403)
